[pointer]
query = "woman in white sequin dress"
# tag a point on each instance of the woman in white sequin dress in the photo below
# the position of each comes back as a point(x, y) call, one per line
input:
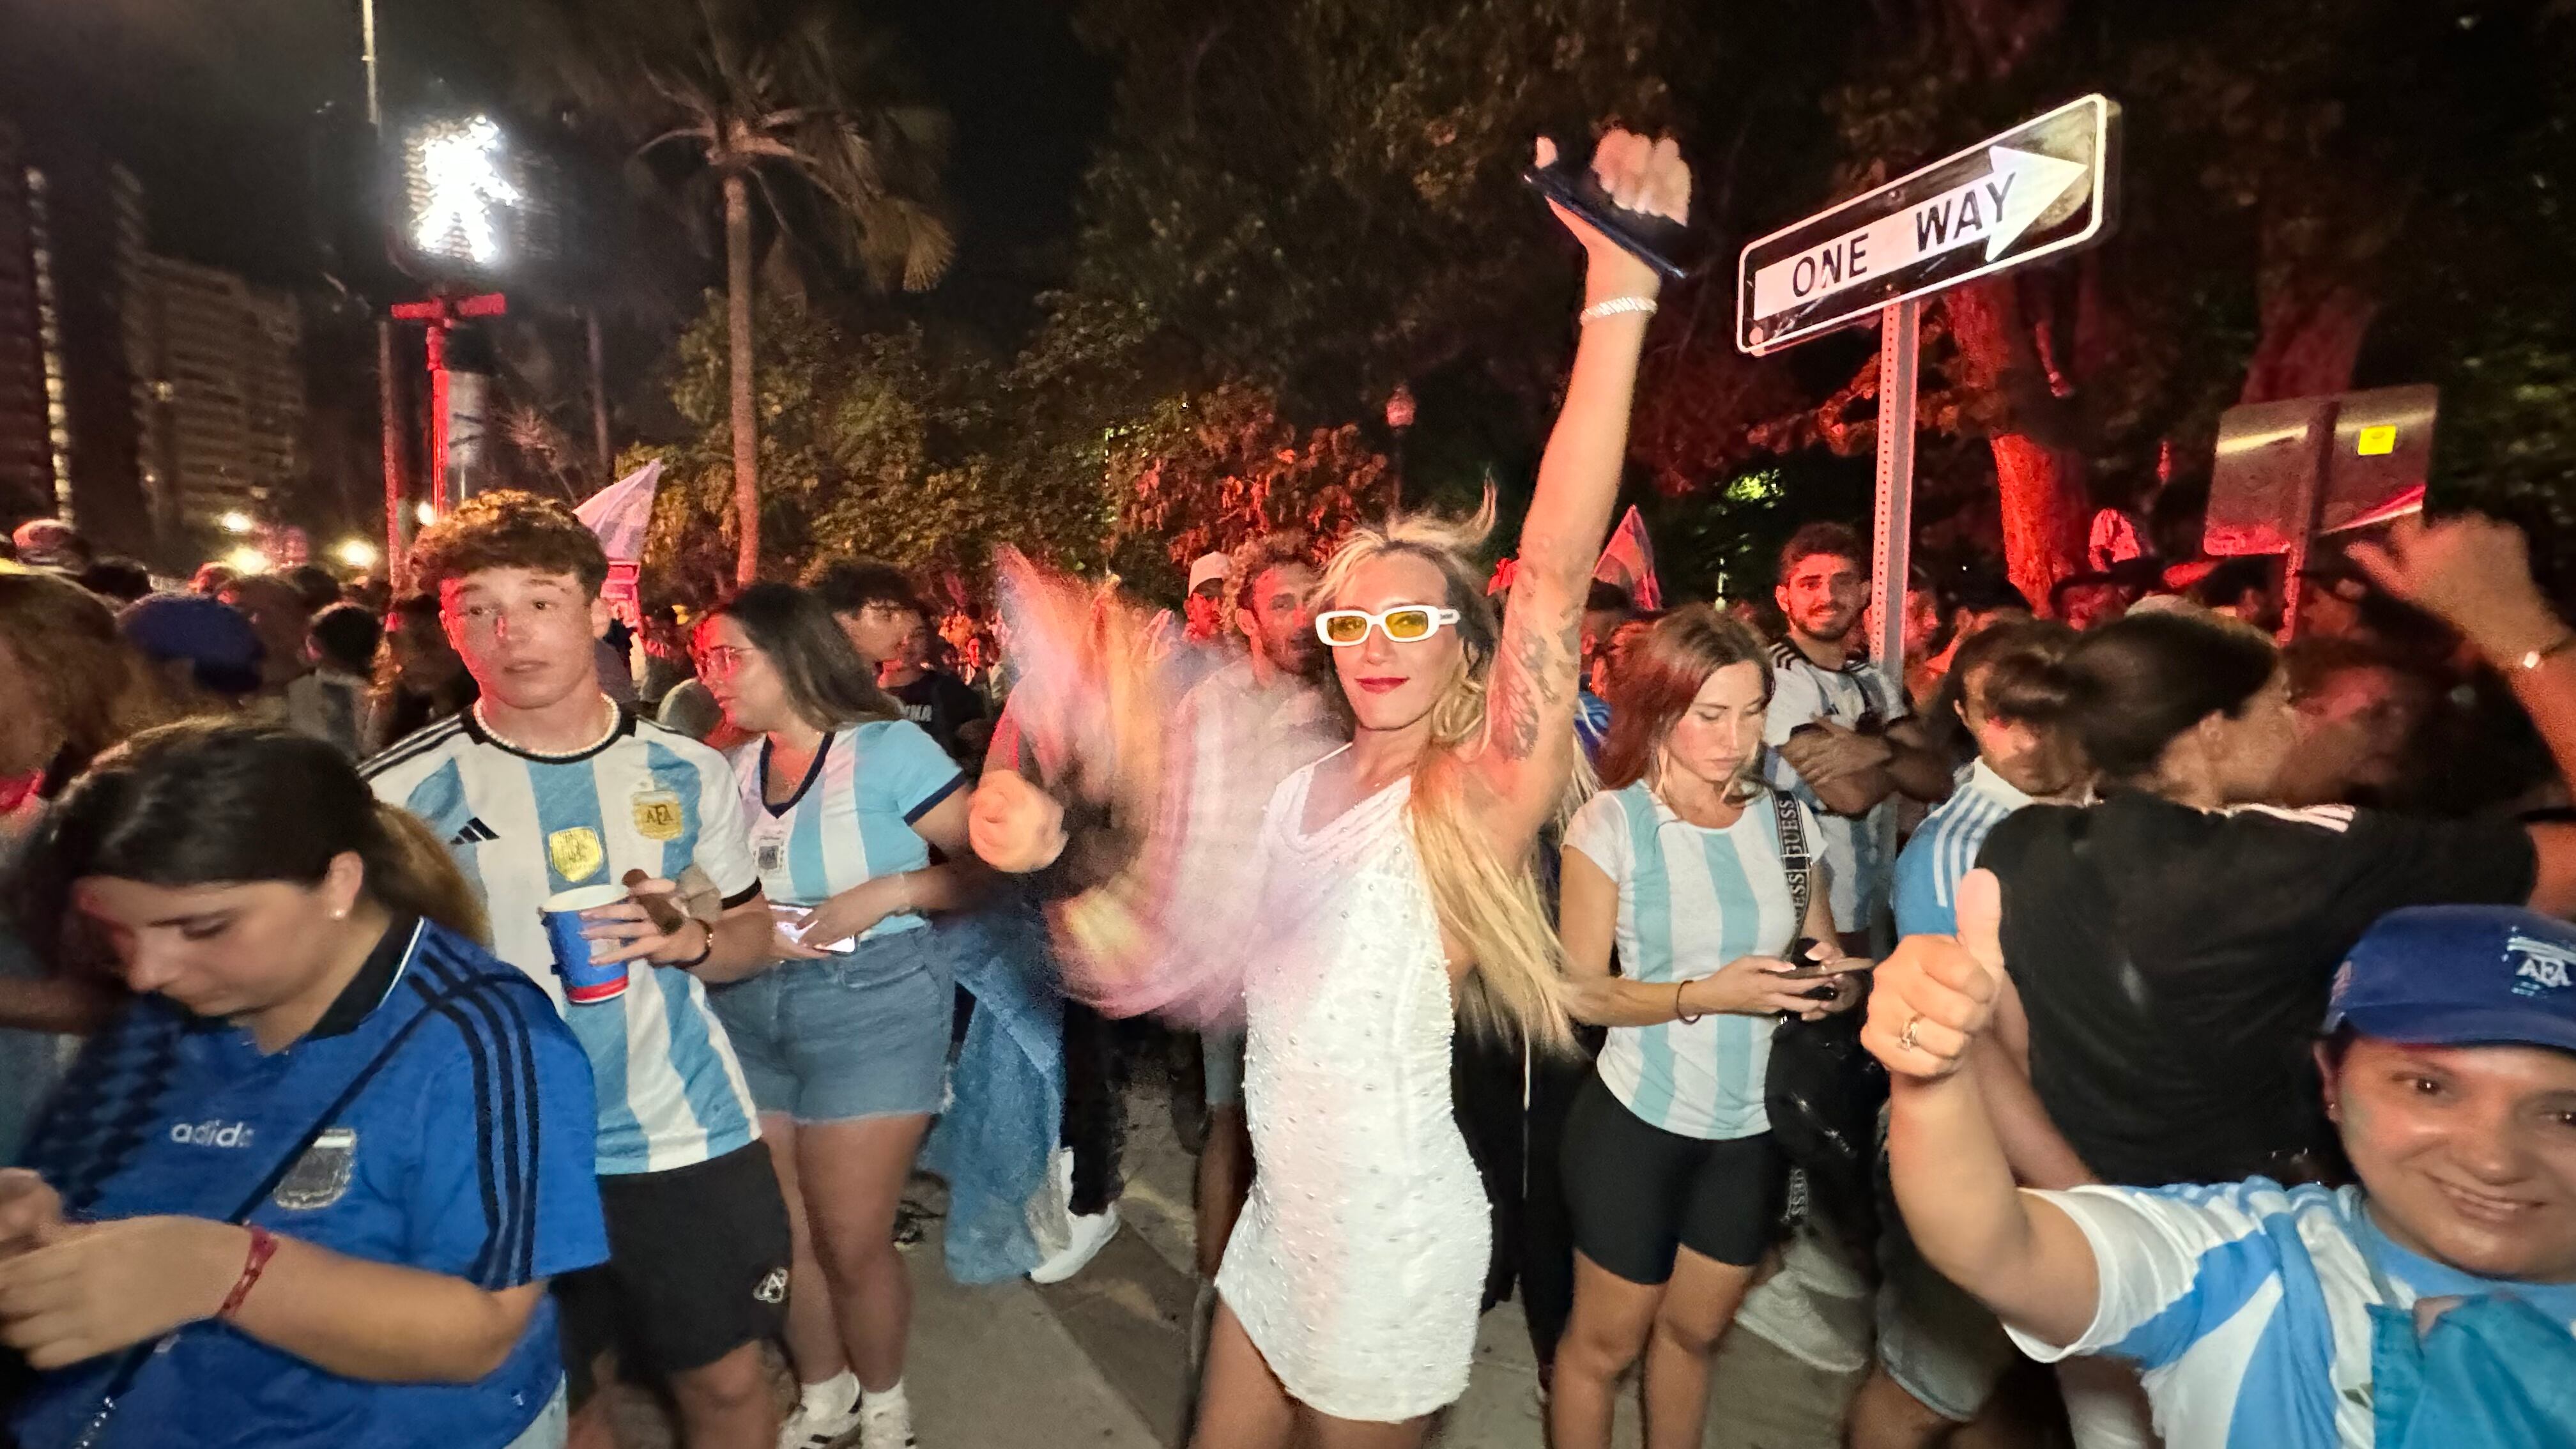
point(1349, 1291)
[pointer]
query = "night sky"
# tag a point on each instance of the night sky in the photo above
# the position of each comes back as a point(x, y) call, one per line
point(241, 116)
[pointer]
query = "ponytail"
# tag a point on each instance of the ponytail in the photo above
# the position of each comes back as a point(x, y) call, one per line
point(2132, 687)
point(410, 871)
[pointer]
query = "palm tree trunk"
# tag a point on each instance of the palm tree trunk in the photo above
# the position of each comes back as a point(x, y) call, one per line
point(746, 437)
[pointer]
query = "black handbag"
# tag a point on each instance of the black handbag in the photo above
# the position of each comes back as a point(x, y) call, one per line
point(1823, 1089)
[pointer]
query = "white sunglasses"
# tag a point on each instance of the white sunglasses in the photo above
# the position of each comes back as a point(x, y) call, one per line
point(1408, 624)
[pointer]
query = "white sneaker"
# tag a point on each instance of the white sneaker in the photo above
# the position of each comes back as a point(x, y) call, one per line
point(885, 1424)
point(807, 1429)
point(1091, 1233)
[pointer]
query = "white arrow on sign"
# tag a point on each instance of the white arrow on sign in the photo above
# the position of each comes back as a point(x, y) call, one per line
point(1995, 208)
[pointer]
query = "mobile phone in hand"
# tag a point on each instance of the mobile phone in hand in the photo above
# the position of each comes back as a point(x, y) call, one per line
point(1670, 247)
point(1806, 968)
point(794, 921)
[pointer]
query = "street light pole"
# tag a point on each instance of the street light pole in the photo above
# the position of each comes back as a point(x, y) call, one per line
point(389, 406)
point(1399, 418)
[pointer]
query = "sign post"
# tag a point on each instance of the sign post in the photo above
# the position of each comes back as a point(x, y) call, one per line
point(1900, 340)
point(2041, 188)
point(2287, 474)
point(436, 316)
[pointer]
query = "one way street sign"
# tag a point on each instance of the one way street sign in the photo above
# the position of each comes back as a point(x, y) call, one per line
point(2040, 188)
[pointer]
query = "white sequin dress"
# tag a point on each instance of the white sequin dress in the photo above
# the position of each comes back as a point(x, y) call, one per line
point(1359, 1264)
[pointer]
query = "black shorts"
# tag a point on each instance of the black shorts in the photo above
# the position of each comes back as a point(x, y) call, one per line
point(1637, 1192)
point(697, 1267)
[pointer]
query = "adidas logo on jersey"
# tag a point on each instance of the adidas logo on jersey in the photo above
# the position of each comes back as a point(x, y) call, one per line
point(474, 833)
point(211, 1133)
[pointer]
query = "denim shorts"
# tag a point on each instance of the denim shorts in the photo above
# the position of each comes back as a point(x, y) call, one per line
point(860, 1034)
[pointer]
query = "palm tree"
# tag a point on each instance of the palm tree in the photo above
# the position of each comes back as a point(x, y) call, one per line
point(773, 93)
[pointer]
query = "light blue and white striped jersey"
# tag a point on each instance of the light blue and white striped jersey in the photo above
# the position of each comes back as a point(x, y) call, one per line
point(1690, 901)
point(1803, 691)
point(851, 819)
point(1944, 849)
point(2247, 1306)
point(526, 826)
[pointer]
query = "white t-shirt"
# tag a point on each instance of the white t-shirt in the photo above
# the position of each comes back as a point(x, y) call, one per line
point(1690, 901)
point(2247, 1307)
point(1802, 692)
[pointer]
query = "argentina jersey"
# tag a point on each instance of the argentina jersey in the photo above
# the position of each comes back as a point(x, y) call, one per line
point(850, 820)
point(523, 827)
point(1945, 848)
point(1690, 901)
point(435, 1117)
point(1803, 692)
point(2247, 1307)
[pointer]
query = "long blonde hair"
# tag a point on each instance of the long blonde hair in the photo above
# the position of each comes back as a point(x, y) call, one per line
point(1491, 905)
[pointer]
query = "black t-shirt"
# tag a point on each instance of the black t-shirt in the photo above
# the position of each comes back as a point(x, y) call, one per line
point(2174, 964)
point(942, 704)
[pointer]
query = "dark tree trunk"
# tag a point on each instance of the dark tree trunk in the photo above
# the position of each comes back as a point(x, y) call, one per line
point(2041, 476)
point(746, 436)
point(2309, 343)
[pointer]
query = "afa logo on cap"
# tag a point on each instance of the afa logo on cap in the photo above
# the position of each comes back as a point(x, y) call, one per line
point(2539, 965)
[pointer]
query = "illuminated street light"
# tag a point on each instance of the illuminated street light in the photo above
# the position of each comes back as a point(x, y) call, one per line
point(357, 553)
point(235, 521)
point(461, 190)
point(247, 560)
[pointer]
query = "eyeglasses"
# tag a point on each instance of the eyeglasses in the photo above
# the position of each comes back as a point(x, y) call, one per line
point(1408, 624)
point(723, 659)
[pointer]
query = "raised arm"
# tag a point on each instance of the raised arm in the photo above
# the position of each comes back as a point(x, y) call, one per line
point(2475, 573)
point(2016, 1253)
point(1529, 735)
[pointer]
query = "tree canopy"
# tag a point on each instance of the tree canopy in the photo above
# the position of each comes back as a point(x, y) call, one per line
point(1296, 205)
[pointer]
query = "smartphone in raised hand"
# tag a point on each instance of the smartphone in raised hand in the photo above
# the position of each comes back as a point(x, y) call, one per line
point(1670, 247)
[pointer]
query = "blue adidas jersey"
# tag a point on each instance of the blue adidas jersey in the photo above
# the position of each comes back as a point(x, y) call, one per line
point(850, 820)
point(2246, 1306)
point(525, 826)
point(1944, 850)
point(465, 1151)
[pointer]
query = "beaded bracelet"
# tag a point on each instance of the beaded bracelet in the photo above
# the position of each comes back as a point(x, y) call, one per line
point(1614, 307)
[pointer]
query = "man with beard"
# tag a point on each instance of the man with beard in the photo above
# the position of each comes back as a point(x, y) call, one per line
point(1828, 723)
point(1248, 726)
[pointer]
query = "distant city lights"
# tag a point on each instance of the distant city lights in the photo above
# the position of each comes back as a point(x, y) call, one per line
point(357, 553)
point(236, 522)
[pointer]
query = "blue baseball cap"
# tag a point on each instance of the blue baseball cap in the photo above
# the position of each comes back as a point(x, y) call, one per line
point(212, 637)
point(2461, 976)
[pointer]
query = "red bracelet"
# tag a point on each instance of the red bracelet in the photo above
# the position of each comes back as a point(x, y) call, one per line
point(263, 1246)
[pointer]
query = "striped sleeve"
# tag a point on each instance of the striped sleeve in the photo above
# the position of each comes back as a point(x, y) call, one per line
point(504, 1191)
point(2173, 1265)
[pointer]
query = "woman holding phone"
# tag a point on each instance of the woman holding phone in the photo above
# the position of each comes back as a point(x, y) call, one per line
point(843, 1043)
point(1704, 880)
point(309, 1185)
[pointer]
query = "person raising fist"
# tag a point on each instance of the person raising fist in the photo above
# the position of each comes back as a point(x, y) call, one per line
point(2259, 1313)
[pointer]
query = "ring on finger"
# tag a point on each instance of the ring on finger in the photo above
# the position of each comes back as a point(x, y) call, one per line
point(1905, 1038)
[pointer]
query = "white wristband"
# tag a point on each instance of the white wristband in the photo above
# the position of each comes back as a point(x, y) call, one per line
point(1614, 307)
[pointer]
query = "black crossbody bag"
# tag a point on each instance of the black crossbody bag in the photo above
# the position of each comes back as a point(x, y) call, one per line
point(131, 1365)
point(1823, 1089)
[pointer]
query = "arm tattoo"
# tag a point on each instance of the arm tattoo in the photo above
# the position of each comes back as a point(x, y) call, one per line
point(1536, 677)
